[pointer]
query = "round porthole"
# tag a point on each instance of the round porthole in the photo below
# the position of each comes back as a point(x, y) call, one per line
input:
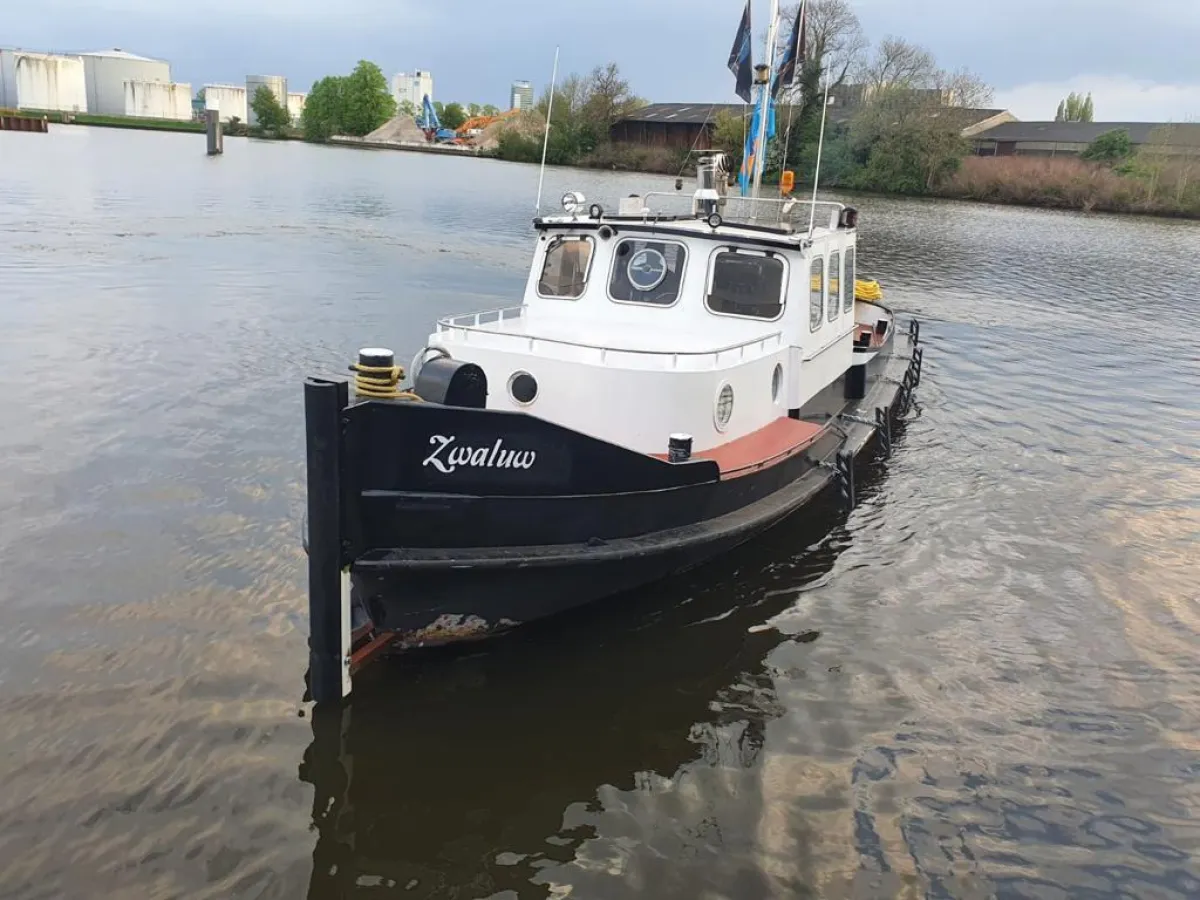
point(647, 269)
point(776, 383)
point(523, 388)
point(724, 409)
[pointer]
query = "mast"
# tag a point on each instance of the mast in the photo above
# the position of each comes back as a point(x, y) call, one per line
point(764, 101)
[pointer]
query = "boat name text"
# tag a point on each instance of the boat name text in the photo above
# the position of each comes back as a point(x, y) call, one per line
point(447, 456)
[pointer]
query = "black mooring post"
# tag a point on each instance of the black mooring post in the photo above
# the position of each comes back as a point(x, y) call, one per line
point(328, 638)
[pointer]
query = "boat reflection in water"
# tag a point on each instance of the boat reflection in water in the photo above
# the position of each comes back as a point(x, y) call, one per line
point(448, 773)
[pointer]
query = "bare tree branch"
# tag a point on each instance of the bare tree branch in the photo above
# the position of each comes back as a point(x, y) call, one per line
point(835, 40)
point(898, 64)
point(964, 88)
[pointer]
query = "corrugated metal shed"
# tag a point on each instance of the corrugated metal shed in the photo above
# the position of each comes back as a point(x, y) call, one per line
point(107, 71)
point(42, 81)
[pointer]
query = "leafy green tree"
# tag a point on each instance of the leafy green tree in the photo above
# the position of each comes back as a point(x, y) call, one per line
point(490, 110)
point(200, 95)
point(406, 108)
point(474, 109)
point(452, 115)
point(324, 109)
point(1112, 147)
point(367, 102)
point(1076, 108)
point(272, 115)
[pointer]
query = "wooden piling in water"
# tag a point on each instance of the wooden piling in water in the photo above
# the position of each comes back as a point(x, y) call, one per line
point(216, 140)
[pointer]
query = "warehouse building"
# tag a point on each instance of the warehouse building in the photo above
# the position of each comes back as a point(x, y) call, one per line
point(42, 81)
point(1072, 138)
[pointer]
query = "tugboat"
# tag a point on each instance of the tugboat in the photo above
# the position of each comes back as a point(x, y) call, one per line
point(682, 373)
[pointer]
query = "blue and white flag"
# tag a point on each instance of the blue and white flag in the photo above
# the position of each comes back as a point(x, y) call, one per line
point(792, 61)
point(739, 58)
point(754, 157)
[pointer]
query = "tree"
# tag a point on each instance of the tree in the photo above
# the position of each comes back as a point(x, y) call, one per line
point(406, 108)
point(1111, 147)
point(367, 102)
point(474, 109)
point(1076, 108)
point(490, 110)
point(200, 96)
point(897, 63)
point(834, 40)
point(452, 116)
point(272, 115)
point(324, 109)
point(607, 97)
point(963, 88)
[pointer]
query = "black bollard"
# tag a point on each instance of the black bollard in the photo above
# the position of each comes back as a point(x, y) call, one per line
point(328, 601)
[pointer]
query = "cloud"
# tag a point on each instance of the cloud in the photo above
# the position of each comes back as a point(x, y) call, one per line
point(1116, 98)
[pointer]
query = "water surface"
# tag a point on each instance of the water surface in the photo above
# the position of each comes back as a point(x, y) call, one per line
point(984, 682)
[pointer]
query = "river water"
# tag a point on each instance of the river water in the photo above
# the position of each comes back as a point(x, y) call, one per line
point(984, 682)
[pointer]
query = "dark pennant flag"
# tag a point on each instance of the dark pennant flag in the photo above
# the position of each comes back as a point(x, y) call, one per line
point(792, 60)
point(739, 58)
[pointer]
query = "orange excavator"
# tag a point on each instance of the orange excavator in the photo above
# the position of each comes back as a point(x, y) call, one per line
point(476, 124)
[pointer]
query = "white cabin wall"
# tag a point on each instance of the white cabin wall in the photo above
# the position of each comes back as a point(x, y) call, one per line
point(688, 314)
point(828, 351)
point(637, 409)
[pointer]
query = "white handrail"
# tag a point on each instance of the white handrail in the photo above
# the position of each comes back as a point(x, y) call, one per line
point(453, 323)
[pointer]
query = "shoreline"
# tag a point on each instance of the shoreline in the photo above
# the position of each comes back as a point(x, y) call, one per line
point(948, 192)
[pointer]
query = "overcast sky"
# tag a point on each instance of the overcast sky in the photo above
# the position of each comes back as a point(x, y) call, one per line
point(1140, 60)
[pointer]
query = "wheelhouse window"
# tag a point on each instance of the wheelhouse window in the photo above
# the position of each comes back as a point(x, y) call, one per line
point(745, 283)
point(816, 293)
point(647, 272)
point(835, 285)
point(565, 271)
point(849, 282)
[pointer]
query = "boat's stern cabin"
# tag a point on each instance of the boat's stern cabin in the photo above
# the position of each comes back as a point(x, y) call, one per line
point(639, 322)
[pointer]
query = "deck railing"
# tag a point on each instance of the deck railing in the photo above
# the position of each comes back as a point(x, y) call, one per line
point(476, 322)
point(768, 211)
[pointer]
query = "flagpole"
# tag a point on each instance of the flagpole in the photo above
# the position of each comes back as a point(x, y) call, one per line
point(812, 212)
point(797, 75)
point(764, 99)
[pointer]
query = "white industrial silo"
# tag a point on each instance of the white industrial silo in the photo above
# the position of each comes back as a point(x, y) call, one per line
point(107, 71)
point(42, 81)
point(276, 84)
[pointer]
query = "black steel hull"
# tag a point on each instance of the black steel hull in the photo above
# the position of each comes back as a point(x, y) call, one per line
point(438, 552)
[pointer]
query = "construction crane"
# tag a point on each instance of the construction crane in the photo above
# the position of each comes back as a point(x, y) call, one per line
point(429, 123)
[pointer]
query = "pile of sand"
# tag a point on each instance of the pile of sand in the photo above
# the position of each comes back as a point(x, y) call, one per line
point(528, 124)
point(400, 130)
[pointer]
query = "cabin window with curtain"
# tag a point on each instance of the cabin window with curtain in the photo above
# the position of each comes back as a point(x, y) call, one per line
point(835, 285)
point(848, 280)
point(647, 272)
point(743, 283)
point(565, 272)
point(816, 293)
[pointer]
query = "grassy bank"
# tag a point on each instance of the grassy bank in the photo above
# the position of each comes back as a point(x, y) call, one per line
point(123, 122)
point(1168, 189)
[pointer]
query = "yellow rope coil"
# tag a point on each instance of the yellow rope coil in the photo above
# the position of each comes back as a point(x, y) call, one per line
point(868, 291)
point(380, 382)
